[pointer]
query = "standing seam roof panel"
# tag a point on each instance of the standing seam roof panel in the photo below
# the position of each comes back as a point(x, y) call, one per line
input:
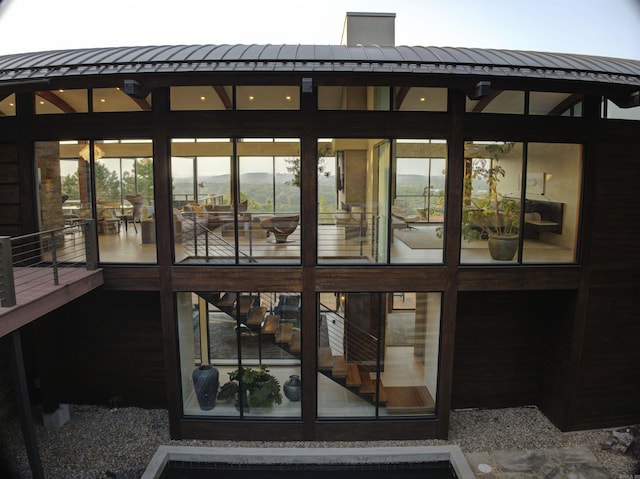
point(372, 58)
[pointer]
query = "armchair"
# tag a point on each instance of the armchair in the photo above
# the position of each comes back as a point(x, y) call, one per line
point(280, 226)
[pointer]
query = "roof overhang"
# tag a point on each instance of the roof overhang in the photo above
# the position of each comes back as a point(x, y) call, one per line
point(181, 59)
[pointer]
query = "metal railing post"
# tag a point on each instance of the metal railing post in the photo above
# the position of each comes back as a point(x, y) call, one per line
point(90, 243)
point(54, 259)
point(8, 293)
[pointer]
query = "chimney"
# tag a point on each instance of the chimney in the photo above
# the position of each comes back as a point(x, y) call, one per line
point(369, 29)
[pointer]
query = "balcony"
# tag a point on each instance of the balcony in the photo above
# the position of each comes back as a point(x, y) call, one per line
point(42, 271)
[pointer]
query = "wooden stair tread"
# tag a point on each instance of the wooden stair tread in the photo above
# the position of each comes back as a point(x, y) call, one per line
point(285, 332)
point(325, 360)
point(294, 346)
point(271, 324)
point(409, 399)
point(353, 375)
point(368, 386)
point(339, 368)
point(256, 316)
point(228, 299)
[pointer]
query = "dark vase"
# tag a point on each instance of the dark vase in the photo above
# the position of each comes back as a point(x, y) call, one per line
point(205, 383)
point(293, 388)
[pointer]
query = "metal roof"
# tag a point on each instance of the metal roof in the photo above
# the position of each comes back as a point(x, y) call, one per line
point(318, 58)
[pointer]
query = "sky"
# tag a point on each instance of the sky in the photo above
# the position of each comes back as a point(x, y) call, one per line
point(593, 27)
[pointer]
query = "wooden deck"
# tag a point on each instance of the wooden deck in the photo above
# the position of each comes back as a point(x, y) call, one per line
point(37, 297)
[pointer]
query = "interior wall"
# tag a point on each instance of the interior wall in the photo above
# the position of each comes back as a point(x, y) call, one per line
point(427, 333)
point(562, 166)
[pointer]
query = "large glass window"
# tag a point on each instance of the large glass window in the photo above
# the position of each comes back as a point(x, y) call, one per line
point(240, 353)
point(124, 200)
point(236, 201)
point(378, 354)
point(355, 230)
point(491, 202)
point(387, 202)
point(496, 228)
point(417, 211)
point(110, 181)
point(552, 203)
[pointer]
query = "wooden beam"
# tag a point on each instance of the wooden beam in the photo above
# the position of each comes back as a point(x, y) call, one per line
point(402, 94)
point(224, 97)
point(484, 102)
point(565, 104)
point(56, 101)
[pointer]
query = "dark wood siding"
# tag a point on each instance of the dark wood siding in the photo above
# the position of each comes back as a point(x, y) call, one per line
point(504, 342)
point(608, 375)
point(107, 347)
point(10, 217)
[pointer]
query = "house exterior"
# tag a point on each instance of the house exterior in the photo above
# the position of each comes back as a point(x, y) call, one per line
point(326, 212)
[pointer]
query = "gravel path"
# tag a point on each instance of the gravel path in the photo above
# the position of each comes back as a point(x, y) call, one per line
point(99, 443)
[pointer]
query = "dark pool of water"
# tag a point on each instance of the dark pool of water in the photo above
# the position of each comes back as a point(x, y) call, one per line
point(194, 470)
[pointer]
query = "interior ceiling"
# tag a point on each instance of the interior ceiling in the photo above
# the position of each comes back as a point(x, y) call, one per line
point(218, 98)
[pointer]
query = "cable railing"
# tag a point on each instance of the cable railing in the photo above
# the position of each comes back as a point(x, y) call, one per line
point(45, 258)
point(203, 244)
point(345, 338)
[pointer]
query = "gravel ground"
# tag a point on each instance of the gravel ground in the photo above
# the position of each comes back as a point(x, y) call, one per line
point(99, 443)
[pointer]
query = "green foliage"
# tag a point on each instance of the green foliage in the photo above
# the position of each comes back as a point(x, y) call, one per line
point(263, 388)
point(293, 166)
point(493, 215)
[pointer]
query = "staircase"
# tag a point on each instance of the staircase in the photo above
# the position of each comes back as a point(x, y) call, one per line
point(358, 377)
point(361, 378)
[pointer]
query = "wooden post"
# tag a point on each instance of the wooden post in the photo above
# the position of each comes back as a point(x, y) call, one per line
point(24, 405)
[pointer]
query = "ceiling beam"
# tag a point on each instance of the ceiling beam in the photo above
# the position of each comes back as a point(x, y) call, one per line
point(224, 97)
point(56, 101)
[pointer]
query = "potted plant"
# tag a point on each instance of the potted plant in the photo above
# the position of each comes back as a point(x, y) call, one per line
point(262, 389)
point(495, 217)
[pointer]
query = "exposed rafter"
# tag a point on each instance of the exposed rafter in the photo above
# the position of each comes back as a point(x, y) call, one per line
point(565, 104)
point(402, 94)
point(224, 97)
point(484, 102)
point(56, 101)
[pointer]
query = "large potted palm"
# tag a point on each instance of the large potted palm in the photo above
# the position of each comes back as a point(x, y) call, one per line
point(493, 217)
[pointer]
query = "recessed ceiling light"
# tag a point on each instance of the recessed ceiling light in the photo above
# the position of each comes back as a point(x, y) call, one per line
point(251, 98)
point(423, 99)
point(41, 102)
point(102, 100)
point(288, 98)
point(203, 98)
